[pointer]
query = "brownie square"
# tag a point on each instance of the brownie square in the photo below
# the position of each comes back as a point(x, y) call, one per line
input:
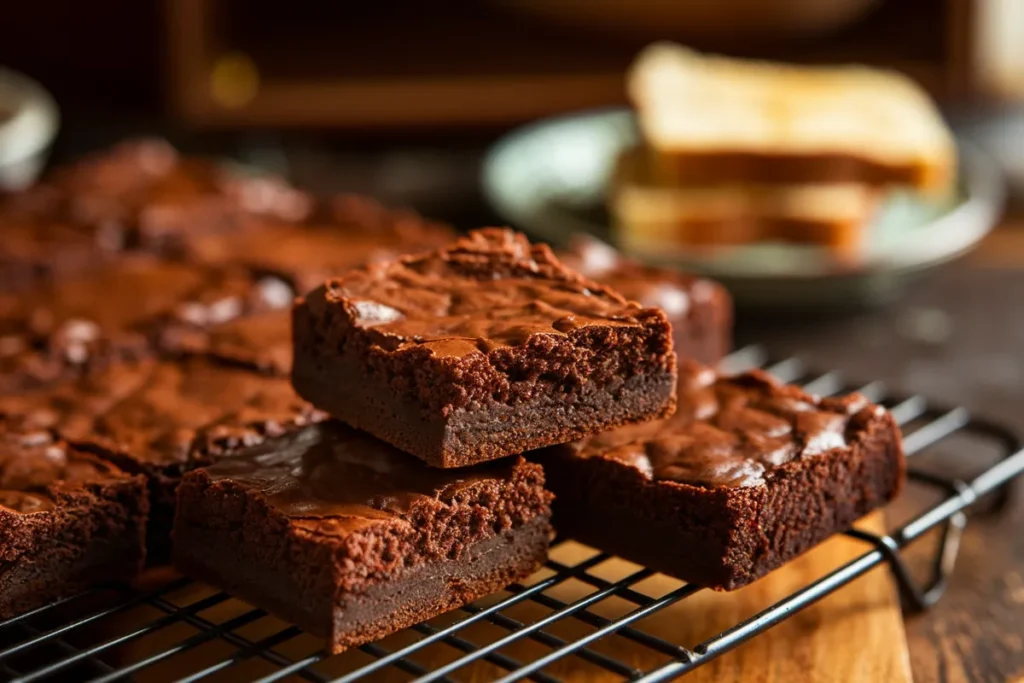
point(483, 349)
point(699, 309)
point(68, 520)
point(343, 535)
point(744, 477)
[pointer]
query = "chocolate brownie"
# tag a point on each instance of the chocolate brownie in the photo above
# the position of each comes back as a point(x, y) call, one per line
point(143, 194)
point(699, 309)
point(184, 414)
point(351, 539)
point(483, 349)
point(747, 475)
point(161, 418)
point(68, 520)
point(346, 232)
point(52, 331)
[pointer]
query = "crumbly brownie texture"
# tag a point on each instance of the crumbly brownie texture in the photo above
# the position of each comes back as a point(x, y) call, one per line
point(78, 323)
point(483, 349)
point(351, 539)
point(347, 232)
point(68, 520)
point(700, 310)
point(747, 475)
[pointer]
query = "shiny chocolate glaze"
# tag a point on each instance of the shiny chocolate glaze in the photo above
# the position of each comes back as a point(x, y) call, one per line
point(489, 290)
point(732, 431)
point(331, 471)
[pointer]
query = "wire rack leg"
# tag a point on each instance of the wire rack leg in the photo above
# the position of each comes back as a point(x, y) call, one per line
point(917, 597)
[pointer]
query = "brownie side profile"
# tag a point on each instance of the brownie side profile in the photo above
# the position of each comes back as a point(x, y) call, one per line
point(68, 520)
point(486, 348)
point(747, 475)
point(343, 535)
point(700, 310)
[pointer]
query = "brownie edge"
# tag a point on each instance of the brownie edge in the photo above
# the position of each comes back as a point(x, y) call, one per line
point(487, 348)
point(351, 539)
point(746, 476)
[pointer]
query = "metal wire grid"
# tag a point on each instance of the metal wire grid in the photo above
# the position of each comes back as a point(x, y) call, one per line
point(82, 638)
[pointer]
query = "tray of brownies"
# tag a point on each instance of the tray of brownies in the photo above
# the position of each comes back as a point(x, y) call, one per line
point(343, 424)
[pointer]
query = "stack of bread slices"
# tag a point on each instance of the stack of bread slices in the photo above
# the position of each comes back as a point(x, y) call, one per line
point(738, 152)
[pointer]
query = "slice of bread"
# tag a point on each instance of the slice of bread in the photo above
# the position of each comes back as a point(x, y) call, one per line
point(711, 119)
point(648, 212)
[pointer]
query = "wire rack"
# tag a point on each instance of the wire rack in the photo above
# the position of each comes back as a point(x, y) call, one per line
point(186, 631)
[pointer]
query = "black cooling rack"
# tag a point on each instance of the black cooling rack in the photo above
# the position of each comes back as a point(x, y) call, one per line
point(570, 611)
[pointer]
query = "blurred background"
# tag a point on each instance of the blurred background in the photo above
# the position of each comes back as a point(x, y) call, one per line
point(400, 99)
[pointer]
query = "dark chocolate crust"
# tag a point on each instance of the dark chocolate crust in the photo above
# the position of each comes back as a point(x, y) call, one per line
point(746, 476)
point(68, 520)
point(480, 350)
point(328, 527)
point(700, 310)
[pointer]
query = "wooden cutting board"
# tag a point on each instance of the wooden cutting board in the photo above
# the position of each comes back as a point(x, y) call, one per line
point(856, 634)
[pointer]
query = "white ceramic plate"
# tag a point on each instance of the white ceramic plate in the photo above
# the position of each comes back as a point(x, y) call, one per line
point(28, 124)
point(549, 179)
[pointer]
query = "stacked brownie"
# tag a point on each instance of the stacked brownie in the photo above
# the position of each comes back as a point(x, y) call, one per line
point(454, 361)
point(390, 447)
